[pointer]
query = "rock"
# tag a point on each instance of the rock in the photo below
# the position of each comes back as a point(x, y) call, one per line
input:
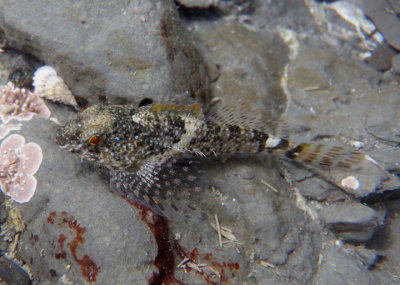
point(309, 186)
point(250, 68)
point(369, 257)
point(121, 52)
point(350, 221)
point(11, 273)
point(337, 266)
point(387, 23)
point(339, 90)
point(198, 3)
point(381, 57)
point(396, 63)
point(223, 7)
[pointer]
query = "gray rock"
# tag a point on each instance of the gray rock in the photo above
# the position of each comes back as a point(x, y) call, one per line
point(350, 221)
point(338, 93)
point(308, 184)
point(11, 273)
point(337, 266)
point(369, 257)
point(223, 7)
point(198, 3)
point(396, 63)
point(249, 69)
point(119, 51)
point(381, 57)
point(387, 23)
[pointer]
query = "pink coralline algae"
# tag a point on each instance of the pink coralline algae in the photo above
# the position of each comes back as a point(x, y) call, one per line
point(20, 104)
point(18, 163)
point(6, 129)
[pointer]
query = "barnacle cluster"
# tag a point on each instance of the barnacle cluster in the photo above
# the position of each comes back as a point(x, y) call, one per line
point(18, 163)
point(20, 103)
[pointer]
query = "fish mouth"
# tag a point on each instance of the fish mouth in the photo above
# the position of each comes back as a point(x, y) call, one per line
point(67, 141)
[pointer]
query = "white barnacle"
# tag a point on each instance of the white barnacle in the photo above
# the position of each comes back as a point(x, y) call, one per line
point(351, 182)
point(272, 142)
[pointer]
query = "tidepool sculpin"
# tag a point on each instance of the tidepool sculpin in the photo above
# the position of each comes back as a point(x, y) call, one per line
point(140, 146)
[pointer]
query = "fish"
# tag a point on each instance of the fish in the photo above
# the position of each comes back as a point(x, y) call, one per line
point(150, 150)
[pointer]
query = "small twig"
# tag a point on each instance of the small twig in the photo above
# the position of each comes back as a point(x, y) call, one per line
point(218, 230)
point(183, 262)
point(265, 183)
point(266, 264)
point(214, 271)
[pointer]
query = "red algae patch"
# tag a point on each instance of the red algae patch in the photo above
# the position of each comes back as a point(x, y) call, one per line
point(164, 261)
point(70, 226)
point(213, 273)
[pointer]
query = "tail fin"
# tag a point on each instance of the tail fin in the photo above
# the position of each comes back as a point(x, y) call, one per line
point(349, 169)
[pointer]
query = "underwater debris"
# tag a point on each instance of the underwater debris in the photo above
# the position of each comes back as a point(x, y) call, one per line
point(52, 87)
point(218, 230)
point(19, 162)
point(223, 232)
point(20, 104)
point(269, 186)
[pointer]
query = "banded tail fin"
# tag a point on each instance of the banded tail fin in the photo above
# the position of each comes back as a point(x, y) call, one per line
point(351, 170)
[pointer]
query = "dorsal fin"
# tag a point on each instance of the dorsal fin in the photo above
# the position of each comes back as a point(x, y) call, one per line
point(244, 116)
point(194, 110)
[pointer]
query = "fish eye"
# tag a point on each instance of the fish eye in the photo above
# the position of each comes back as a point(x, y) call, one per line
point(95, 140)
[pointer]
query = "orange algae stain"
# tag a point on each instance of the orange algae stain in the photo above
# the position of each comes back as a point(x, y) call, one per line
point(50, 218)
point(89, 268)
point(61, 252)
point(163, 28)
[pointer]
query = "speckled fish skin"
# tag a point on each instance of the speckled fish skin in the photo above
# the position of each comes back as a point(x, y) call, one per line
point(143, 147)
point(130, 136)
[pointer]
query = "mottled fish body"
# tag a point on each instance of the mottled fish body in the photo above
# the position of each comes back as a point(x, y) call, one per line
point(141, 146)
point(125, 137)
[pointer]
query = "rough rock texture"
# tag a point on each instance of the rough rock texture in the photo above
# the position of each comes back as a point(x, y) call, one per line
point(287, 222)
point(383, 13)
point(396, 64)
point(354, 222)
point(235, 7)
point(108, 51)
point(248, 67)
point(381, 57)
point(12, 273)
point(340, 265)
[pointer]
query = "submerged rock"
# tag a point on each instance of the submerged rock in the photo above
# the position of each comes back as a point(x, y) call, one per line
point(118, 51)
point(350, 221)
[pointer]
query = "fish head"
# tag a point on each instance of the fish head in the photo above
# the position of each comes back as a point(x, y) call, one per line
point(102, 134)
